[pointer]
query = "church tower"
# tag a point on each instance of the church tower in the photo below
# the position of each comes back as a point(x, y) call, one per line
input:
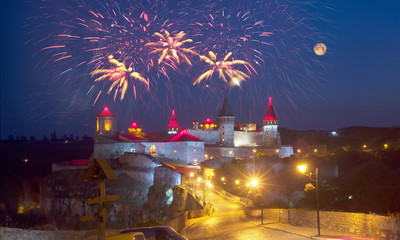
point(226, 122)
point(106, 125)
point(271, 137)
point(173, 126)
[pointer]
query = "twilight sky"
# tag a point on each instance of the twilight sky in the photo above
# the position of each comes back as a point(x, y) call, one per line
point(357, 83)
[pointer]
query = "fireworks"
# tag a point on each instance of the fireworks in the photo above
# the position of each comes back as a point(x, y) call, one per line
point(118, 75)
point(168, 42)
point(224, 68)
point(171, 47)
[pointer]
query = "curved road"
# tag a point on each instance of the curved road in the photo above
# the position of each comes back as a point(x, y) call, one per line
point(228, 223)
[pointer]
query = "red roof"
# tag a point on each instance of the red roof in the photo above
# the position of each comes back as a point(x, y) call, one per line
point(134, 125)
point(270, 112)
point(183, 136)
point(173, 123)
point(106, 113)
point(76, 162)
point(208, 121)
point(183, 170)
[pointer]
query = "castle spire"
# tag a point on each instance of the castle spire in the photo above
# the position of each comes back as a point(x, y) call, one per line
point(173, 126)
point(226, 108)
point(270, 112)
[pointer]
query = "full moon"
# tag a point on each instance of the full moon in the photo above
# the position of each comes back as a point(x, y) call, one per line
point(320, 49)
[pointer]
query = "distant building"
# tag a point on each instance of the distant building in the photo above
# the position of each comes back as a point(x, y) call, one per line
point(210, 139)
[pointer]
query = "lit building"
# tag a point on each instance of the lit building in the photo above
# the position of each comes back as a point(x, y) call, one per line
point(190, 146)
point(135, 130)
point(173, 126)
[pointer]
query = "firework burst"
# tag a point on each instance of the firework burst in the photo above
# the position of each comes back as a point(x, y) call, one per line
point(118, 75)
point(224, 68)
point(171, 47)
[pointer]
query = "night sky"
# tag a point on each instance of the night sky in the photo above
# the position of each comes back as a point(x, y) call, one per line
point(356, 83)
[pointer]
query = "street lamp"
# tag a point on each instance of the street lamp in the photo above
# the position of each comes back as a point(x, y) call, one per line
point(302, 169)
point(254, 182)
point(205, 190)
point(195, 185)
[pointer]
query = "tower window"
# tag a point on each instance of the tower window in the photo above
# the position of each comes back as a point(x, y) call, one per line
point(107, 124)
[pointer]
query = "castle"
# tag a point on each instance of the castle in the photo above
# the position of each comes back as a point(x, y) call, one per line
point(205, 141)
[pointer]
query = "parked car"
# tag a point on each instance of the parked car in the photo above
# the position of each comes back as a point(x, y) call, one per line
point(127, 236)
point(157, 233)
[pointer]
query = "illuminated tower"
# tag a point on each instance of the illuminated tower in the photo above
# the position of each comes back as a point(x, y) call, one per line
point(106, 125)
point(226, 122)
point(271, 136)
point(135, 130)
point(173, 126)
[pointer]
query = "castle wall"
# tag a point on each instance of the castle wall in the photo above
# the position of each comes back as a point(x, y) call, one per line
point(271, 137)
point(285, 151)
point(244, 152)
point(166, 175)
point(115, 150)
point(245, 138)
point(208, 136)
point(184, 151)
point(226, 128)
point(139, 167)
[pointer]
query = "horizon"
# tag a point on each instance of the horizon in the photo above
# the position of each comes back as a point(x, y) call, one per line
point(354, 84)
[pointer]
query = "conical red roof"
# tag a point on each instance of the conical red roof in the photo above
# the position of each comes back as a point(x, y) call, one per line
point(134, 125)
point(173, 123)
point(183, 136)
point(270, 112)
point(106, 113)
point(208, 121)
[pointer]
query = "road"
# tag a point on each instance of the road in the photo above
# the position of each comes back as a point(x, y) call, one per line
point(228, 222)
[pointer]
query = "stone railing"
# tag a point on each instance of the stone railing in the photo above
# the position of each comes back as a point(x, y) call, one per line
point(206, 210)
point(240, 200)
point(361, 224)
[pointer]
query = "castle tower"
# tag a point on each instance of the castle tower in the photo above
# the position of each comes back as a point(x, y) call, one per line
point(226, 122)
point(271, 137)
point(173, 126)
point(195, 124)
point(135, 130)
point(106, 125)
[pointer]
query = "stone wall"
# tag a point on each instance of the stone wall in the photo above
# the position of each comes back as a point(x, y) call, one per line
point(208, 136)
point(115, 150)
point(285, 151)
point(139, 167)
point(244, 152)
point(166, 175)
point(360, 224)
point(63, 198)
point(184, 151)
point(245, 138)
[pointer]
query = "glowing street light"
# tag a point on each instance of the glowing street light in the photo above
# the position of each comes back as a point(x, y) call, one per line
point(237, 181)
point(302, 169)
point(223, 179)
point(191, 174)
point(365, 146)
point(254, 182)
